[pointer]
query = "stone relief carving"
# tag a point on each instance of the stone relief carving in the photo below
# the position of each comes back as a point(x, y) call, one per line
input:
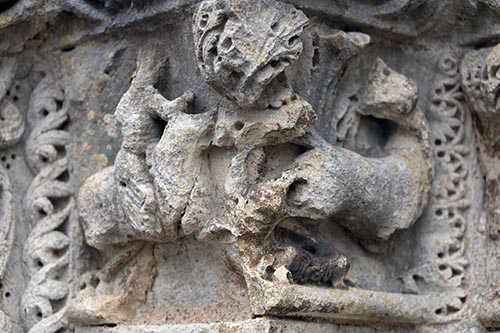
point(158, 188)
point(480, 79)
point(227, 159)
point(50, 203)
point(11, 129)
point(450, 199)
point(481, 82)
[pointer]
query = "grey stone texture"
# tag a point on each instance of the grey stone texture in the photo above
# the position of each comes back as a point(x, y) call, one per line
point(249, 166)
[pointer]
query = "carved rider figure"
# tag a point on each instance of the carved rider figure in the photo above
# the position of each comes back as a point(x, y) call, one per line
point(160, 187)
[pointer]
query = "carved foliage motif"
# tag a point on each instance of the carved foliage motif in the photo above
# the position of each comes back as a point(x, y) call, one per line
point(11, 130)
point(50, 204)
point(11, 121)
point(451, 198)
point(480, 79)
point(455, 154)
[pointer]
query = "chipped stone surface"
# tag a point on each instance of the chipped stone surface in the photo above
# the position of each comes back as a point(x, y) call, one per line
point(249, 166)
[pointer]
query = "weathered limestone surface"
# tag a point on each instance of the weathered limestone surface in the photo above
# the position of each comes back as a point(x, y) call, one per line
point(249, 166)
